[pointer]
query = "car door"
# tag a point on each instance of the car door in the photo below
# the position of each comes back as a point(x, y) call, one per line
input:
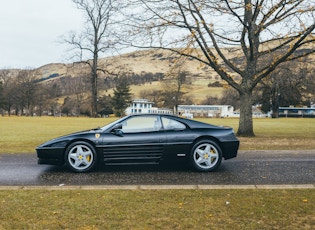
point(138, 139)
point(179, 138)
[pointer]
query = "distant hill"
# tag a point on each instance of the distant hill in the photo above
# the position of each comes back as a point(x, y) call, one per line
point(149, 61)
point(141, 63)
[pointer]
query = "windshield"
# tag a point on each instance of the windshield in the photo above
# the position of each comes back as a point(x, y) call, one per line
point(106, 127)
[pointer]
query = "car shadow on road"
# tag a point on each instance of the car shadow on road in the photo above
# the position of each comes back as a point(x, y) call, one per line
point(123, 168)
point(129, 175)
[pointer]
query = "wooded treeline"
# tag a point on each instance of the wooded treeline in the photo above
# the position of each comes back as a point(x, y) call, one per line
point(23, 93)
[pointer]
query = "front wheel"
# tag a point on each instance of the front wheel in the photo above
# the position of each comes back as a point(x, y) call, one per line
point(80, 157)
point(206, 156)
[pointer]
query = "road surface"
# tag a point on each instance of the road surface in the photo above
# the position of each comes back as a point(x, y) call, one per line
point(249, 168)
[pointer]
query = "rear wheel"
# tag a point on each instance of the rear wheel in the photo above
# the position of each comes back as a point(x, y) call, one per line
point(206, 156)
point(81, 157)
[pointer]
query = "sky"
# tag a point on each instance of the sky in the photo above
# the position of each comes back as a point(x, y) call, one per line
point(31, 31)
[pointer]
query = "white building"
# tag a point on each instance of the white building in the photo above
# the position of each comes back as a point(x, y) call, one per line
point(297, 111)
point(256, 113)
point(141, 106)
point(206, 110)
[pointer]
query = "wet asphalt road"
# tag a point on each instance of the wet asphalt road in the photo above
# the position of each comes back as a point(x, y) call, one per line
point(249, 168)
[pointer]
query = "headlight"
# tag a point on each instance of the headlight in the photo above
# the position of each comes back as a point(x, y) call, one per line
point(58, 144)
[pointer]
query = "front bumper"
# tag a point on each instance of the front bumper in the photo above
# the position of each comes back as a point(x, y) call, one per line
point(53, 156)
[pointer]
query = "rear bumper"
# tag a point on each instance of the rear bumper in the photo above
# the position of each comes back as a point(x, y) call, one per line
point(229, 149)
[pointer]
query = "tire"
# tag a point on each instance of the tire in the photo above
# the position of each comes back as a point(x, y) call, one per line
point(206, 156)
point(81, 157)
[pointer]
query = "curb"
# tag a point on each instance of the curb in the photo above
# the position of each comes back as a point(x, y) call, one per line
point(158, 187)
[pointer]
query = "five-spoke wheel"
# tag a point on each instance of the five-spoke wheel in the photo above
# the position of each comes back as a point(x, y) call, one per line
point(80, 157)
point(206, 156)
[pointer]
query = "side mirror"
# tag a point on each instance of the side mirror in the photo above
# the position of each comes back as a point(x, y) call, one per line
point(117, 130)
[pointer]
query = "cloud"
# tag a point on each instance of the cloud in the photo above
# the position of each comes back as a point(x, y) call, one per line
point(30, 31)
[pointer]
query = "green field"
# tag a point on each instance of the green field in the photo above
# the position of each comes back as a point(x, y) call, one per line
point(155, 209)
point(23, 134)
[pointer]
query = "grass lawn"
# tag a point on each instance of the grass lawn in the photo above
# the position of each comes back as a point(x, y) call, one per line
point(23, 134)
point(157, 209)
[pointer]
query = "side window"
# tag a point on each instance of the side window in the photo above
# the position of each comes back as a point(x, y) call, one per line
point(170, 124)
point(141, 124)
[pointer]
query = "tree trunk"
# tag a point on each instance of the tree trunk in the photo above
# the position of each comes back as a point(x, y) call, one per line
point(245, 128)
point(94, 84)
point(94, 95)
point(275, 114)
point(275, 104)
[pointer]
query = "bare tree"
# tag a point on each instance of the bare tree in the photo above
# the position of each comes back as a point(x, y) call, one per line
point(239, 39)
point(211, 100)
point(154, 96)
point(175, 83)
point(75, 88)
point(231, 97)
point(97, 38)
point(286, 86)
point(19, 90)
point(26, 90)
point(42, 98)
point(6, 85)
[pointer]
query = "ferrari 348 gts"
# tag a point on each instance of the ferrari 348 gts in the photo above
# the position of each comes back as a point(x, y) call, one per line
point(143, 139)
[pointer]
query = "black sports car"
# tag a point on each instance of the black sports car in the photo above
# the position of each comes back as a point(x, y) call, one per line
point(143, 139)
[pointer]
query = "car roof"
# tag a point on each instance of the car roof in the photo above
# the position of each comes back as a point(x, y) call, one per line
point(189, 122)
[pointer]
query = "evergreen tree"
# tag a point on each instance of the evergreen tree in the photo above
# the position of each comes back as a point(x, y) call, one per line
point(122, 96)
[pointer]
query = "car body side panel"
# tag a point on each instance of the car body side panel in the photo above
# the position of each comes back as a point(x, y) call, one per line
point(181, 142)
point(178, 143)
point(147, 147)
point(142, 147)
